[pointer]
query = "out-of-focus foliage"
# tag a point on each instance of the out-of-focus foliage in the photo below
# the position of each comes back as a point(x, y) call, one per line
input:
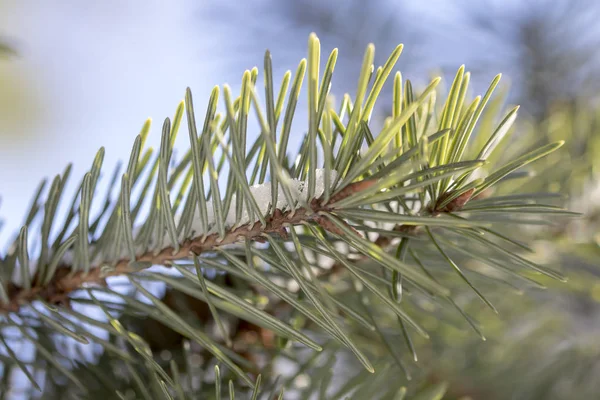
point(21, 108)
point(547, 47)
point(5, 49)
point(544, 345)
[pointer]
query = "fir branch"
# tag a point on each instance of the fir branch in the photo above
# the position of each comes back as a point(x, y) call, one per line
point(64, 281)
point(347, 195)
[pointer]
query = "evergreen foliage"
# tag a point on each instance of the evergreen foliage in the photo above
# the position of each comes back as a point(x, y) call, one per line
point(355, 249)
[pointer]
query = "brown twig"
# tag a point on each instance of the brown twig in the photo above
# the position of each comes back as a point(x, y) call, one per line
point(64, 281)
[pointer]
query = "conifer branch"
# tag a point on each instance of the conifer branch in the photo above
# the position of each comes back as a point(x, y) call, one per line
point(64, 282)
point(342, 200)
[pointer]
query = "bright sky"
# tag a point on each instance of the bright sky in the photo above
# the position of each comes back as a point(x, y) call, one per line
point(95, 72)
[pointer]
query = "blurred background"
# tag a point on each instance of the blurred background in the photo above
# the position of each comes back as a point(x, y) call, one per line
point(78, 75)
